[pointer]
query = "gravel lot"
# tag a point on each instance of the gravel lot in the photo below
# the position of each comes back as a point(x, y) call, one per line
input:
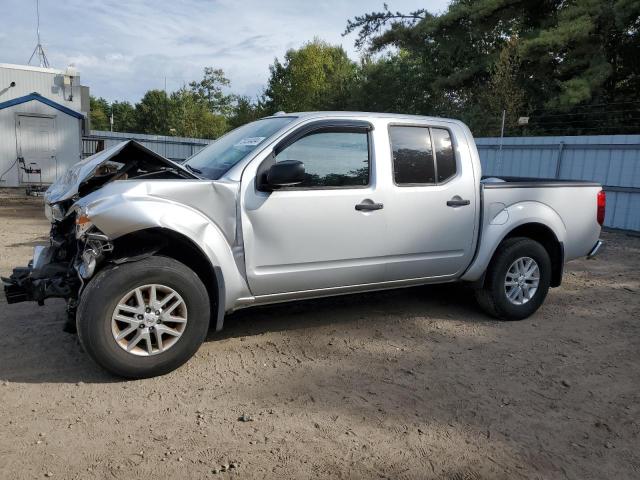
point(413, 383)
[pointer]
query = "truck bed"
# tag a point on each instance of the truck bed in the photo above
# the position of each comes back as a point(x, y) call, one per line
point(574, 202)
point(527, 182)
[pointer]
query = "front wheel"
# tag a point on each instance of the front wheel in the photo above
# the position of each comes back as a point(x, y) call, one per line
point(144, 318)
point(517, 280)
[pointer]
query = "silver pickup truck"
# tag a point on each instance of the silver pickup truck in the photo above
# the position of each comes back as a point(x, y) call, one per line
point(150, 253)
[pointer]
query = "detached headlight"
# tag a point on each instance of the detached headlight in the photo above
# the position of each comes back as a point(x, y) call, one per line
point(89, 260)
point(54, 213)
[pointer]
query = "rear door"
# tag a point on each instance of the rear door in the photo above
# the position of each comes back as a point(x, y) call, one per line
point(431, 212)
point(313, 236)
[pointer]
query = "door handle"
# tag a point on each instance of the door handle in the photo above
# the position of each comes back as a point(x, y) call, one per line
point(369, 206)
point(457, 202)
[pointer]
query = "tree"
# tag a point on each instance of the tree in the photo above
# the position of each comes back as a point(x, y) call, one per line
point(244, 111)
point(503, 93)
point(124, 117)
point(317, 76)
point(561, 55)
point(190, 117)
point(591, 50)
point(99, 113)
point(152, 113)
point(211, 91)
point(392, 83)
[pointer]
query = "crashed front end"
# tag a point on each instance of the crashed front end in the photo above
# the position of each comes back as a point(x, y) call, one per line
point(76, 247)
point(59, 269)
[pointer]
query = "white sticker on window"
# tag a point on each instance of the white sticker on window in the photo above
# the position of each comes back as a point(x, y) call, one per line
point(249, 142)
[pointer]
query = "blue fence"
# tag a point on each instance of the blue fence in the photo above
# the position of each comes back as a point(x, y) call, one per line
point(612, 160)
point(175, 148)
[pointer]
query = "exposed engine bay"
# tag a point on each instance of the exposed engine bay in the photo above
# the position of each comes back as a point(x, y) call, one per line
point(76, 246)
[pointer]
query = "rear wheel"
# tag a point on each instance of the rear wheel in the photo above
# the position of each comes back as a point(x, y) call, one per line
point(517, 280)
point(144, 318)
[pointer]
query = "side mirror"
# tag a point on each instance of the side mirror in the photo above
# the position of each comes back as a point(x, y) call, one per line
point(285, 174)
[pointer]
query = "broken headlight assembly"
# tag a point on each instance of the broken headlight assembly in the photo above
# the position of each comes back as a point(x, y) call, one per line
point(92, 255)
point(83, 223)
point(96, 245)
point(54, 213)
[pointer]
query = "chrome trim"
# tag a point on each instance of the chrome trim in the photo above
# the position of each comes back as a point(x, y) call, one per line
point(597, 248)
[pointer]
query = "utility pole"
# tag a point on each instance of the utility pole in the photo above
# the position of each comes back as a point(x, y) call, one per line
point(166, 114)
point(504, 114)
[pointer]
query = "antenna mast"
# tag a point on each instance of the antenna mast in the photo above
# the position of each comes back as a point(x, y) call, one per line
point(39, 51)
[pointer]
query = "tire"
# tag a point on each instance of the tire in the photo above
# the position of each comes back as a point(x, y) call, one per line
point(98, 326)
point(493, 297)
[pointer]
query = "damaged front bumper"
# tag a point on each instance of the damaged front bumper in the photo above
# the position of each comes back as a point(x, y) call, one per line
point(43, 278)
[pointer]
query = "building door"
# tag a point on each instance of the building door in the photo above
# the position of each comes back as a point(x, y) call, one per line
point(36, 146)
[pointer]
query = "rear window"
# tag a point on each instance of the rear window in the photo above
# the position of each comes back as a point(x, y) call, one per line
point(445, 158)
point(421, 155)
point(412, 155)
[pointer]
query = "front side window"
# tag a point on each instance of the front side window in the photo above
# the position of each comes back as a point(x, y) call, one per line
point(412, 155)
point(331, 159)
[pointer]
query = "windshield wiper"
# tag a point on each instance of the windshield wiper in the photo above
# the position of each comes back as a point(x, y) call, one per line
point(194, 169)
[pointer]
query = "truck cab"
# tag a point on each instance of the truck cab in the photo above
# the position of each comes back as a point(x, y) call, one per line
point(150, 253)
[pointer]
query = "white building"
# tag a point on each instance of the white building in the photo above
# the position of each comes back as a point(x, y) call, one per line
point(43, 114)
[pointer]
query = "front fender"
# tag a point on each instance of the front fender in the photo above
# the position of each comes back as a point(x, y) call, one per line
point(121, 209)
point(498, 223)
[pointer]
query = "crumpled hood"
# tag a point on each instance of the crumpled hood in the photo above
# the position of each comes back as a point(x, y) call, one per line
point(68, 185)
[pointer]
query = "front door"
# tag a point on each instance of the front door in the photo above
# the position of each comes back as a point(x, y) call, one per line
point(36, 145)
point(317, 235)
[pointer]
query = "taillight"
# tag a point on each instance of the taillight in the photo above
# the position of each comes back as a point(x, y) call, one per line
point(602, 205)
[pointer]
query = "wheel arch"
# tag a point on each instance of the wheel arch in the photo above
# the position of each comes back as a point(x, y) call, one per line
point(547, 238)
point(162, 241)
point(527, 219)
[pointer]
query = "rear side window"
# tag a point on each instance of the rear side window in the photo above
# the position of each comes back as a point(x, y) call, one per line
point(421, 155)
point(331, 159)
point(445, 158)
point(412, 155)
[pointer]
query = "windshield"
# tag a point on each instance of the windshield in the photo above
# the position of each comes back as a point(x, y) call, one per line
point(216, 159)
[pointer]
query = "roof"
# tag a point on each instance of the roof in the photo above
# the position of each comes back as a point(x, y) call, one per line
point(41, 99)
point(31, 68)
point(399, 116)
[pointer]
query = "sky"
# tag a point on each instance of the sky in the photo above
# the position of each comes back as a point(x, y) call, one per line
point(124, 48)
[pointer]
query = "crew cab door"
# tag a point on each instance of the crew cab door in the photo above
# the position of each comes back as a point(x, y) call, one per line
point(317, 234)
point(432, 204)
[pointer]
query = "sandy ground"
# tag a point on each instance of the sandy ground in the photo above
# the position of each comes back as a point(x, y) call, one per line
point(413, 383)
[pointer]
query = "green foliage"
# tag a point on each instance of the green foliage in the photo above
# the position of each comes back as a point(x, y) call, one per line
point(527, 57)
point(502, 93)
point(152, 113)
point(202, 110)
point(124, 117)
point(571, 66)
point(317, 76)
point(189, 116)
point(99, 114)
point(244, 111)
point(211, 91)
point(393, 83)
